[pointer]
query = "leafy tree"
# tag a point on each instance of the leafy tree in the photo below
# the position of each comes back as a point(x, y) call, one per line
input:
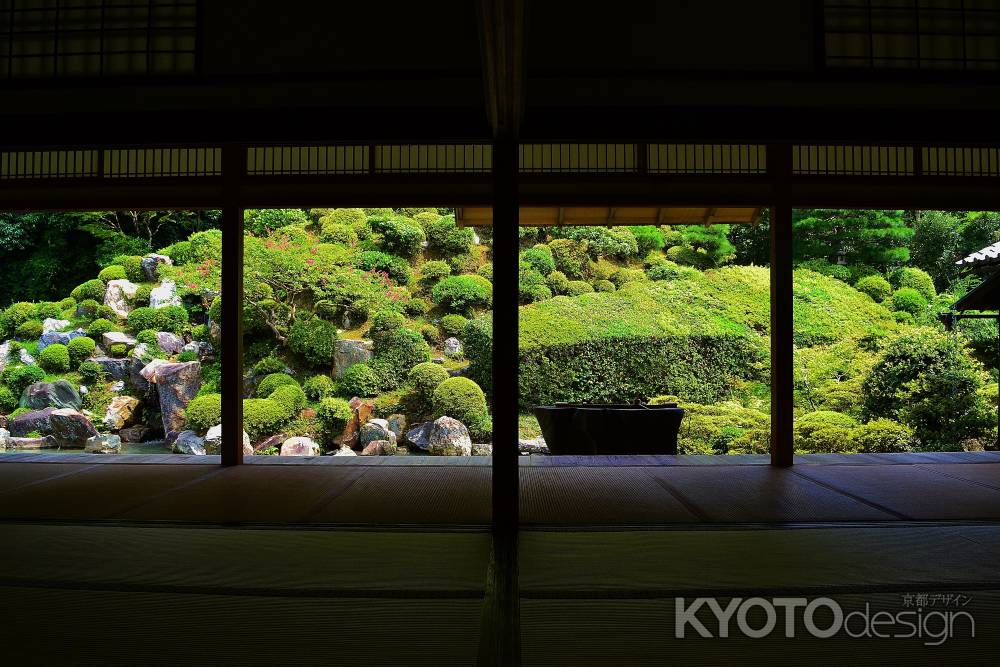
point(935, 245)
point(849, 236)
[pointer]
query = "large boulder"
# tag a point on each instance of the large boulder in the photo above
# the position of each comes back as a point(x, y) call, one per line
point(204, 350)
point(136, 433)
point(150, 371)
point(70, 428)
point(44, 442)
point(347, 352)
point(397, 424)
point(533, 446)
point(213, 441)
point(449, 437)
point(52, 337)
point(164, 295)
point(151, 265)
point(379, 448)
point(169, 342)
point(118, 296)
point(122, 411)
point(420, 435)
point(52, 324)
point(103, 444)
point(376, 429)
point(299, 446)
point(58, 394)
point(116, 369)
point(176, 385)
point(29, 422)
point(482, 449)
point(110, 338)
point(4, 439)
point(188, 442)
point(344, 450)
point(362, 410)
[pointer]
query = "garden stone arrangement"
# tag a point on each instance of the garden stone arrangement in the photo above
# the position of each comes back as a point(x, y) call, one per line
point(368, 332)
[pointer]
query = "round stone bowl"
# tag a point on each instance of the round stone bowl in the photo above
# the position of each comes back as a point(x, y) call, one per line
point(609, 429)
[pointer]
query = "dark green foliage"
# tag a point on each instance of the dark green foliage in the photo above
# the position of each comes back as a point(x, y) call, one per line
point(181, 252)
point(80, 348)
point(433, 271)
point(360, 380)
point(215, 310)
point(927, 380)
point(527, 279)
point(99, 327)
point(421, 382)
point(91, 372)
point(539, 258)
point(611, 242)
point(823, 431)
point(67, 304)
point(333, 415)
point(399, 235)
point(909, 300)
point(700, 246)
point(187, 355)
point(395, 352)
point(268, 365)
point(148, 337)
point(578, 287)
point(557, 282)
point(271, 382)
point(132, 265)
point(173, 319)
point(536, 293)
point(603, 286)
point(113, 272)
point(17, 378)
point(460, 398)
point(262, 222)
point(397, 268)
point(849, 236)
point(430, 333)
point(877, 287)
point(446, 238)
point(571, 258)
point(290, 397)
point(841, 272)
point(881, 436)
point(143, 318)
point(648, 238)
point(460, 294)
point(486, 271)
point(313, 339)
point(319, 387)
point(88, 308)
point(54, 358)
point(262, 417)
point(107, 312)
point(477, 344)
point(914, 278)
point(453, 325)
point(667, 270)
point(48, 309)
point(91, 289)
point(8, 401)
point(29, 330)
point(204, 411)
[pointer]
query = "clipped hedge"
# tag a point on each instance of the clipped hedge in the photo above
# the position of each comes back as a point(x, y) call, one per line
point(204, 412)
point(54, 358)
point(460, 398)
point(319, 387)
point(313, 339)
point(272, 382)
point(262, 416)
point(80, 348)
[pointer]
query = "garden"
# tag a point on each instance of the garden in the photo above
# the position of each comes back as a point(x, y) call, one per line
point(368, 331)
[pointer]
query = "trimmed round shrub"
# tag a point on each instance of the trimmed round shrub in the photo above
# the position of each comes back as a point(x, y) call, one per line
point(604, 286)
point(263, 221)
point(397, 268)
point(290, 397)
point(268, 365)
point(400, 235)
point(452, 325)
point(54, 358)
point(80, 348)
point(616, 242)
point(113, 272)
point(537, 293)
point(319, 387)
point(8, 401)
point(460, 398)
point(909, 300)
point(92, 289)
point(29, 330)
point(354, 218)
point(172, 318)
point(385, 321)
point(148, 336)
point(486, 271)
point(181, 252)
point(482, 430)
point(19, 377)
point(433, 271)
point(142, 294)
point(359, 380)
point(107, 312)
point(204, 412)
point(903, 317)
point(539, 258)
point(88, 308)
point(914, 278)
point(272, 382)
point(461, 293)
point(48, 309)
point(67, 303)
point(395, 352)
point(333, 415)
point(430, 333)
point(824, 431)
point(447, 238)
point(877, 287)
point(648, 238)
point(416, 307)
point(337, 233)
point(215, 310)
point(262, 417)
point(421, 382)
point(15, 315)
point(477, 344)
point(880, 436)
point(118, 350)
point(91, 372)
point(313, 339)
point(557, 282)
point(571, 257)
point(623, 276)
point(578, 287)
point(143, 318)
point(132, 265)
point(99, 327)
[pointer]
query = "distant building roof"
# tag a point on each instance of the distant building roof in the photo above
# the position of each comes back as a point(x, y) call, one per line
point(987, 256)
point(986, 296)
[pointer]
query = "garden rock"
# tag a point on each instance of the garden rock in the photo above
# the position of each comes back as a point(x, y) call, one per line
point(376, 429)
point(169, 342)
point(205, 351)
point(348, 352)
point(188, 442)
point(176, 385)
point(123, 411)
point(119, 295)
point(164, 295)
point(103, 444)
point(533, 446)
point(51, 337)
point(299, 446)
point(110, 338)
point(116, 369)
point(379, 448)
point(449, 437)
point(452, 347)
point(27, 359)
point(213, 441)
point(4, 438)
point(70, 428)
point(420, 435)
point(344, 450)
point(397, 424)
point(135, 433)
point(58, 394)
point(28, 422)
point(479, 449)
point(150, 372)
point(46, 442)
point(151, 265)
point(52, 324)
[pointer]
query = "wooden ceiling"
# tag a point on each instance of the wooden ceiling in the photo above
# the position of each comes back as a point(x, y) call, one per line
point(545, 216)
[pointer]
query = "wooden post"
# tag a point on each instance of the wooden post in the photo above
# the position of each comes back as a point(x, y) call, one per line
point(782, 342)
point(233, 170)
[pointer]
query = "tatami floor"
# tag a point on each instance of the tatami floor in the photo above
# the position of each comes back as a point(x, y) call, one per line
point(385, 560)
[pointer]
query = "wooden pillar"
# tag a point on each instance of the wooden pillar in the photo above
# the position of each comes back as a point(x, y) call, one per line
point(233, 170)
point(782, 342)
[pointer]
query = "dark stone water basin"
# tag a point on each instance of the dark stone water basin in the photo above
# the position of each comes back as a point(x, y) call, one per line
point(595, 429)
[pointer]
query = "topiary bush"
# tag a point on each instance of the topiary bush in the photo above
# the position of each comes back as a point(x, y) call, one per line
point(48, 309)
point(430, 333)
point(397, 268)
point(604, 286)
point(399, 235)
point(877, 287)
point(486, 271)
point(262, 417)
point(15, 315)
point(536, 293)
point(172, 318)
point(354, 218)
point(290, 397)
point(359, 380)
point(92, 289)
point(113, 272)
point(91, 372)
point(395, 352)
point(912, 277)
point(881, 436)
point(132, 265)
point(460, 294)
point(143, 318)
point(319, 387)
point(313, 339)
point(80, 348)
point(557, 282)
point(667, 270)
point(460, 398)
point(824, 431)
point(204, 412)
point(262, 222)
point(333, 415)
point(648, 239)
point(447, 238)
point(623, 276)
point(539, 258)
point(30, 330)
point(54, 358)
point(477, 345)
point(571, 258)
point(268, 365)
point(19, 377)
point(99, 327)
point(342, 234)
point(271, 382)
point(578, 287)
point(433, 271)
point(8, 401)
point(421, 382)
point(87, 308)
point(909, 300)
point(453, 325)
point(107, 312)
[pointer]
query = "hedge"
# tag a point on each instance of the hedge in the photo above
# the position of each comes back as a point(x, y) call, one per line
point(460, 398)
point(204, 412)
point(54, 358)
point(272, 382)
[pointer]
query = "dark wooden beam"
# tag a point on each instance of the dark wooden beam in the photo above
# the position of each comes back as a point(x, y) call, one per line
point(782, 310)
point(234, 167)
